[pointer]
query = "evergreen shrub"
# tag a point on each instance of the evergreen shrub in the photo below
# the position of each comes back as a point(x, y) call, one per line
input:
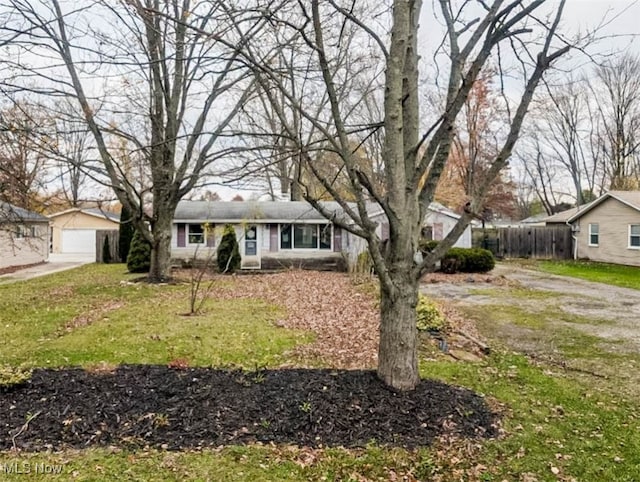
point(228, 253)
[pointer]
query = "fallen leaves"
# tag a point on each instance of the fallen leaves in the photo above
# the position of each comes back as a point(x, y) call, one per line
point(343, 315)
point(344, 319)
point(93, 314)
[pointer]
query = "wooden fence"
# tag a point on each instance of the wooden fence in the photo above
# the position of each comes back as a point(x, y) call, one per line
point(540, 242)
point(113, 236)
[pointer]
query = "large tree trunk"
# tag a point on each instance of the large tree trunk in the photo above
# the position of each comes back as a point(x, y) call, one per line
point(160, 270)
point(398, 349)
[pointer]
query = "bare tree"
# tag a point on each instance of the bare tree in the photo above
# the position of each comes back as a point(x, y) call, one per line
point(160, 76)
point(23, 127)
point(560, 138)
point(344, 40)
point(71, 149)
point(616, 93)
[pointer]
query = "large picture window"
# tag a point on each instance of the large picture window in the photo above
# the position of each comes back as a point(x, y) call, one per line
point(305, 236)
point(594, 234)
point(634, 235)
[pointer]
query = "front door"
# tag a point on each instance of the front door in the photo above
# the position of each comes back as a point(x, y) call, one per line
point(251, 254)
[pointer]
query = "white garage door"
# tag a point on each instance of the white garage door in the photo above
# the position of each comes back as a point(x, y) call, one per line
point(79, 241)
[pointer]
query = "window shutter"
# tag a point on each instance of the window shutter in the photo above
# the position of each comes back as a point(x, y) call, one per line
point(337, 239)
point(182, 235)
point(211, 235)
point(273, 237)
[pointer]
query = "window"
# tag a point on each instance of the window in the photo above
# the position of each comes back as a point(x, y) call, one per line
point(325, 236)
point(26, 232)
point(594, 234)
point(285, 236)
point(196, 234)
point(634, 235)
point(305, 236)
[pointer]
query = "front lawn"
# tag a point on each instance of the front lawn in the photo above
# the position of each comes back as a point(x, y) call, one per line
point(613, 274)
point(97, 315)
point(292, 340)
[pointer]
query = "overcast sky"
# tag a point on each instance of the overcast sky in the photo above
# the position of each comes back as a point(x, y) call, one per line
point(619, 21)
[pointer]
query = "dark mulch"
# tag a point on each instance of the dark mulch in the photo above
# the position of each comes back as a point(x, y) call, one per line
point(198, 407)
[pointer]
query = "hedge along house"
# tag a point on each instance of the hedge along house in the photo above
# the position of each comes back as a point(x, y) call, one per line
point(24, 236)
point(608, 229)
point(271, 234)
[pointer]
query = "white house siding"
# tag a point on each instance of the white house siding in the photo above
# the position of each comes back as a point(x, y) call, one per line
point(267, 244)
point(613, 219)
point(16, 251)
point(434, 218)
point(189, 250)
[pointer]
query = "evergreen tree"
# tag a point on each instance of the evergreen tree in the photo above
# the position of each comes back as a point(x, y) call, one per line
point(106, 251)
point(126, 234)
point(139, 258)
point(228, 251)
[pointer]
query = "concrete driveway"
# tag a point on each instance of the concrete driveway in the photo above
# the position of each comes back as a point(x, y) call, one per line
point(56, 263)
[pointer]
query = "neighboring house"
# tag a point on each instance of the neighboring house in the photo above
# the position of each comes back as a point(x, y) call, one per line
point(562, 218)
point(531, 221)
point(438, 222)
point(608, 229)
point(24, 236)
point(74, 230)
point(271, 234)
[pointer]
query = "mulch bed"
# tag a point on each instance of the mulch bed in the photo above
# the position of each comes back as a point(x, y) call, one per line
point(158, 406)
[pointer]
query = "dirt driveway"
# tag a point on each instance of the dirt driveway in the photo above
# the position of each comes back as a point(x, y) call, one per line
point(605, 311)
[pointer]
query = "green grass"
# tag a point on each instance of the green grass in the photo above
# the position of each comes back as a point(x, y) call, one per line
point(132, 323)
point(584, 427)
point(230, 464)
point(613, 274)
point(551, 421)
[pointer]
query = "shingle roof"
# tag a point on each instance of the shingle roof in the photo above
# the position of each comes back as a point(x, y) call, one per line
point(563, 216)
point(436, 206)
point(15, 214)
point(105, 214)
point(536, 218)
point(630, 198)
point(374, 209)
point(238, 211)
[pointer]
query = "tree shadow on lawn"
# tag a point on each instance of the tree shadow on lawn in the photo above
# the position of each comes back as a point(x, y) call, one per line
point(139, 405)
